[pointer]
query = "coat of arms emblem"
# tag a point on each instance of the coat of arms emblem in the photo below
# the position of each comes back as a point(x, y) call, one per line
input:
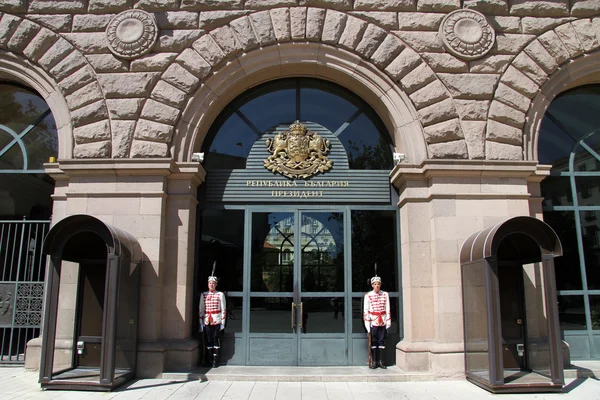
point(298, 153)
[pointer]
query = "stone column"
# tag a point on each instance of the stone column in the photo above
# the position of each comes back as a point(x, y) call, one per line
point(441, 204)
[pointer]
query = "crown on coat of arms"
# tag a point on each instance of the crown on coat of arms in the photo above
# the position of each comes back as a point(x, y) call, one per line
point(297, 129)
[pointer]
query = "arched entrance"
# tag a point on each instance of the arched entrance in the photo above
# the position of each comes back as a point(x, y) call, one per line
point(295, 239)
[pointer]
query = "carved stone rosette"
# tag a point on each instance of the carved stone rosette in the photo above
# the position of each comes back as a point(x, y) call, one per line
point(131, 34)
point(467, 34)
point(298, 153)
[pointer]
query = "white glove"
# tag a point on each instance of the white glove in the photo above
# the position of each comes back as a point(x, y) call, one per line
point(368, 327)
point(201, 327)
point(222, 326)
point(388, 324)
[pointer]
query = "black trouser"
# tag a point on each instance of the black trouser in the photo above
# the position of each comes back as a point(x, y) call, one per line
point(378, 335)
point(212, 333)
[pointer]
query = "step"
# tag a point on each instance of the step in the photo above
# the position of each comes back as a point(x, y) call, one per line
point(300, 374)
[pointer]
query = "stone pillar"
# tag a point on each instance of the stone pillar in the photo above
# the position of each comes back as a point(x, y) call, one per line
point(441, 204)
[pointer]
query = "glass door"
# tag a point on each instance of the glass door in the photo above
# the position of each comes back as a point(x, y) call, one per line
point(297, 289)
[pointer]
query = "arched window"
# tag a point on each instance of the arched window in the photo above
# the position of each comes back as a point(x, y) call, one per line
point(350, 118)
point(28, 135)
point(570, 141)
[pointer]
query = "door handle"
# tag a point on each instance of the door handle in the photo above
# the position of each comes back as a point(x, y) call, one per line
point(293, 315)
point(301, 314)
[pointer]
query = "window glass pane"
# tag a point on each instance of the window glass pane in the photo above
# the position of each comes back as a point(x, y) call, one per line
point(571, 312)
point(323, 315)
point(374, 240)
point(222, 241)
point(556, 191)
point(234, 314)
point(590, 227)
point(271, 109)
point(231, 147)
point(327, 109)
point(41, 143)
point(588, 190)
point(271, 314)
point(568, 273)
point(19, 107)
point(587, 152)
point(366, 151)
point(12, 159)
point(595, 309)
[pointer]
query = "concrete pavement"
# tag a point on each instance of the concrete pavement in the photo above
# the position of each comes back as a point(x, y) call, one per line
point(17, 383)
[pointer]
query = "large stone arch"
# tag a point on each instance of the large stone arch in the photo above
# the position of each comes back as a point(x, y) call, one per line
point(559, 59)
point(80, 107)
point(396, 69)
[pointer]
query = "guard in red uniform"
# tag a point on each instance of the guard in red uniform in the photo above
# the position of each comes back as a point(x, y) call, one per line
point(212, 312)
point(378, 319)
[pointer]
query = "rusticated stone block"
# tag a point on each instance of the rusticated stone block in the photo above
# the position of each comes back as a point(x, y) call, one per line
point(443, 132)
point(438, 112)
point(444, 62)
point(510, 43)
point(23, 35)
point(554, 46)
point(519, 82)
point(315, 19)
point(538, 53)
point(201, 5)
point(333, 4)
point(68, 65)
point(156, 5)
point(144, 149)
point(8, 24)
point(244, 33)
point(490, 64)
point(209, 50)
point(181, 78)
point(470, 86)
point(540, 8)
point(57, 6)
point(56, 53)
point(91, 22)
point(502, 151)
point(438, 5)
point(373, 36)
point(168, 94)
point(88, 94)
point(586, 34)
point(511, 97)
point(422, 41)
point(177, 20)
point(107, 63)
point(40, 44)
point(525, 64)
point(411, 21)
point(160, 112)
point(404, 63)
point(568, 36)
point(263, 28)
point(91, 113)
point(105, 6)
point(496, 7)
point(503, 133)
point(385, 5)
point(92, 150)
point(268, 4)
point(353, 33)
point(472, 110)
point(385, 20)
point(154, 131)
point(89, 42)
point(193, 62)
point(226, 40)
point(13, 6)
point(507, 115)
point(584, 8)
point(122, 134)
point(280, 18)
point(387, 51)
point(177, 40)
point(334, 25)
point(430, 94)
point(474, 132)
point(131, 84)
point(212, 19)
point(504, 24)
point(418, 78)
point(456, 149)
point(298, 22)
point(537, 25)
point(55, 22)
point(92, 132)
point(124, 108)
point(152, 62)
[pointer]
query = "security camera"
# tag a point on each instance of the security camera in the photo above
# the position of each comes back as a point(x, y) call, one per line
point(198, 157)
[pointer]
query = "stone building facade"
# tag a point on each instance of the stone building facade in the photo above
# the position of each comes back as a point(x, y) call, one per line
point(461, 86)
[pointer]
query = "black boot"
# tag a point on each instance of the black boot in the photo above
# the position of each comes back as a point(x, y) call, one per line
point(380, 363)
point(208, 357)
point(373, 358)
point(215, 360)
